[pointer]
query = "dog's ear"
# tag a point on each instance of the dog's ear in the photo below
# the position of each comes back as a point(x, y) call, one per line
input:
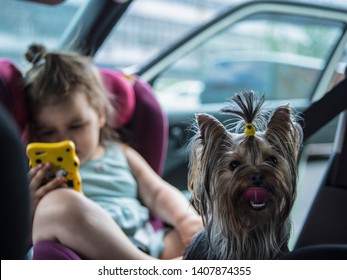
point(205, 149)
point(210, 128)
point(283, 132)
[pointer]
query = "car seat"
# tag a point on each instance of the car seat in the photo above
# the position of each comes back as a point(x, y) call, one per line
point(140, 118)
point(324, 235)
point(15, 201)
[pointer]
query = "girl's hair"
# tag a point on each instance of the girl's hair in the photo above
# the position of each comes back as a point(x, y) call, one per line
point(55, 76)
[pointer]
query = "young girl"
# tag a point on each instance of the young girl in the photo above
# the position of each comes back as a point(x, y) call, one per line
point(68, 102)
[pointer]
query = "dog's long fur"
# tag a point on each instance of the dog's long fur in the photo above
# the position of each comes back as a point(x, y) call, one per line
point(224, 166)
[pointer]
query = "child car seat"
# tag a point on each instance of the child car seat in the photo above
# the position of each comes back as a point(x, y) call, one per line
point(139, 115)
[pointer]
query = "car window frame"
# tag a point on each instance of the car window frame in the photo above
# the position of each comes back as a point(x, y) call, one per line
point(86, 33)
point(153, 68)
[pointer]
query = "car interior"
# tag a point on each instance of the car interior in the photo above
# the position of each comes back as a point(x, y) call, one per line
point(14, 240)
point(325, 232)
point(15, 199)
point(146, 127)
point(324, 235)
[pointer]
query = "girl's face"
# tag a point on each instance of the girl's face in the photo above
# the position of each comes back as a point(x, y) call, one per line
point(72, 119)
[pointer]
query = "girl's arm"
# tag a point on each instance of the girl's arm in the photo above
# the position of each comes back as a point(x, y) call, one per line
point(162, 199)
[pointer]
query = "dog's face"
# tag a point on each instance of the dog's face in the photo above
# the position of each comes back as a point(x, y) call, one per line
point(241, 183)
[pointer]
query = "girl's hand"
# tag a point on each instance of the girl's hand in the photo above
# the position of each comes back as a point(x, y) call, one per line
point(188, 227)
point(40, 186)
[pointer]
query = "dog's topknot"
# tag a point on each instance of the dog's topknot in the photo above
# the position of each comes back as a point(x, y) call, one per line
point(247, 106)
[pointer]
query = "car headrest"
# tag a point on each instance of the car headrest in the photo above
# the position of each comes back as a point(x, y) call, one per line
point(118, 85)
point(14, 100)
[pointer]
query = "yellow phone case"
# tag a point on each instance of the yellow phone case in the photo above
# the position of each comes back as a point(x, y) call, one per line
point(62, 157)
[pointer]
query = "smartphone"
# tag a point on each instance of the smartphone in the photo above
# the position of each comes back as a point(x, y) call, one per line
point(62, 157)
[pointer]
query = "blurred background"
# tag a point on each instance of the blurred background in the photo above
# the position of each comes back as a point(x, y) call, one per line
point(143, 33)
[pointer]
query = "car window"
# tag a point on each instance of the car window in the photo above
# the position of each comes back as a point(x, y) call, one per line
point(24, 23)
point(149, 26)
point(281, 56)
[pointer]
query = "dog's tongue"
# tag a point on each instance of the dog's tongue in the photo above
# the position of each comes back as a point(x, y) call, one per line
point(256, 195)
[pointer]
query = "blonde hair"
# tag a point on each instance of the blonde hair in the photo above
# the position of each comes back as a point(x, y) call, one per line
point(55, 76)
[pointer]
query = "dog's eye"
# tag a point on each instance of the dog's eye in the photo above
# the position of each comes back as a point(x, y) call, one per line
point(234, 164)
point(271, 160)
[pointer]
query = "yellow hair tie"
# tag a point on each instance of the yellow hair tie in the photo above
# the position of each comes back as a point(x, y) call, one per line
point(249, 129)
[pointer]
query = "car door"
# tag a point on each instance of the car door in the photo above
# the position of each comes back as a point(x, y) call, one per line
point(287, 51)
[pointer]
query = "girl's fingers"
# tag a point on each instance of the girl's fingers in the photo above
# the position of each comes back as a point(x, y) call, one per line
point(55, 183)
point(33, 171)
point(37, 176)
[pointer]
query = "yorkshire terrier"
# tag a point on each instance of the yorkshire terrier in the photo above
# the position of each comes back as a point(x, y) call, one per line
point(244, 184)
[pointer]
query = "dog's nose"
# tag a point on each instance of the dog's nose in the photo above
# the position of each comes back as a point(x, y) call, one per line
point(257, 179)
